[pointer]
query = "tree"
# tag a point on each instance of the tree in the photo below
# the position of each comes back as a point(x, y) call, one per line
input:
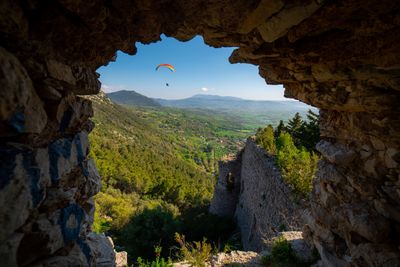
point(266, 139)
point(295, 123)
point(310, 134)
point(295, 128)
point(297, 166)
point(279, 129)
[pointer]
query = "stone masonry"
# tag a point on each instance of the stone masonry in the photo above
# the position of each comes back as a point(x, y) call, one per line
point(340, 56)
point(264, 204)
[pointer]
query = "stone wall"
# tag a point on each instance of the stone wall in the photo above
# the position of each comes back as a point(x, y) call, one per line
point(266, 203)
point(226, 193)
point(263, 204)
point(340, 56)
point(47, 181)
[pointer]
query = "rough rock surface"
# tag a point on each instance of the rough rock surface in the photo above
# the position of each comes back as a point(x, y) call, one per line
point(227, 190)
point(340, 56)
point(253, 259)
point(233, 258)
point(261, 202)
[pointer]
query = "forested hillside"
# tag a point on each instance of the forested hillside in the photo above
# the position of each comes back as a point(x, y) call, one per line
point(156, 164)
point(158, 167)
point(250, 113)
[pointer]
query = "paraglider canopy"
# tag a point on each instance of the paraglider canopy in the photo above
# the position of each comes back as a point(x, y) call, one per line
point(169, 66)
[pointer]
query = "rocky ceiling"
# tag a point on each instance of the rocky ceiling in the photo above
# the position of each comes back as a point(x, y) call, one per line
point(340, 56)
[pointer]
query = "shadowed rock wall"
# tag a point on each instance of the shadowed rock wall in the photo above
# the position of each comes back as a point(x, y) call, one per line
point(340, 56)
point(227, 190)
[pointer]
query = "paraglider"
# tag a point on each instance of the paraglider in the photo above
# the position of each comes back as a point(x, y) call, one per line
point(169, 66)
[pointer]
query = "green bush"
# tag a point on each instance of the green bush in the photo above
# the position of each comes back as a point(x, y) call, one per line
point(283, 255)
point(151, 227)
point(266, 139)
point(199, 223)
point(158, 262)
point(196, 253)
point(297, 166)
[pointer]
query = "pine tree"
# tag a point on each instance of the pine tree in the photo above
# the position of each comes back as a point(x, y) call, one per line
point(310, 133)
point(296, 129)
point(295, 123)
point(280, 129)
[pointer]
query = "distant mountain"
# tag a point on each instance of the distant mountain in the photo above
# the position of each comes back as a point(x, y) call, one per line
point(132, 98)
point(228, 103)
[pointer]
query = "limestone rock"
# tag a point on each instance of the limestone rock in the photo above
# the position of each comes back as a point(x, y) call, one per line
point(242, 258)
point(340, 56)
point(60, 71)
point(301, 249)
point(9, 249)
point(121, 259)
point(335, 154)
point(22, 188)
point(74, 256)
point(102, 250)
point(21, 110)
point(72, 112)
point(280, 23)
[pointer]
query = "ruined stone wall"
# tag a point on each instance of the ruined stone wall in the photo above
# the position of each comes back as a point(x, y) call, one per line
point(340, 56)
point(266, 203)
point(226, 192)
point(263, 204)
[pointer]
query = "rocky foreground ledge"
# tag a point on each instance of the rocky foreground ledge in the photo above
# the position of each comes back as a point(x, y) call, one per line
point(254, 259)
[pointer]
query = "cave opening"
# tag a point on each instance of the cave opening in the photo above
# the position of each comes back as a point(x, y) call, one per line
point(340, 56)
point(151, 150)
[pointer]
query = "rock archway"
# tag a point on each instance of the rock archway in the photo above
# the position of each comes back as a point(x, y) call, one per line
point(340, 56)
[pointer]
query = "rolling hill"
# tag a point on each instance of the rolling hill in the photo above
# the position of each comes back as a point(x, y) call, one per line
point(132, 98)
point(250, 113)
point(228, 103)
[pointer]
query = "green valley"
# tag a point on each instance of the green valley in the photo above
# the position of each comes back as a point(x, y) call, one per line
point(157, 163)
point(159, 166)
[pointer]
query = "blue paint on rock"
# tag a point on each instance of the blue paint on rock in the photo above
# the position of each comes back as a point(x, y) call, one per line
point(17, 122)
point(33, 174)
point(66, 119)
point(7, 165)
point(58, 148)
point(71, 234)
point(81, 156)
point(85, 250)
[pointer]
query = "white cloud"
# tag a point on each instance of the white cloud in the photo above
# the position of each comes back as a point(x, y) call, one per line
point(204, 89)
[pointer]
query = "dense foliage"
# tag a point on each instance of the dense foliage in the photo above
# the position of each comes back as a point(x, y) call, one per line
point(158, 173)
point(293, 147)
point(158, 167)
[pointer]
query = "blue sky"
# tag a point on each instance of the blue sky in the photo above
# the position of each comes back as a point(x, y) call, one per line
point(200, 69)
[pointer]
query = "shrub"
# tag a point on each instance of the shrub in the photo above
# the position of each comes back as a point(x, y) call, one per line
point(199, 223)
point(283, 255)
point(158, 262)
point(151, 227)
point(297, 166)
point(266, 139)
point(196, 253)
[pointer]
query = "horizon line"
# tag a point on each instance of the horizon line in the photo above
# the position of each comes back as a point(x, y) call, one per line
point(127, 90)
